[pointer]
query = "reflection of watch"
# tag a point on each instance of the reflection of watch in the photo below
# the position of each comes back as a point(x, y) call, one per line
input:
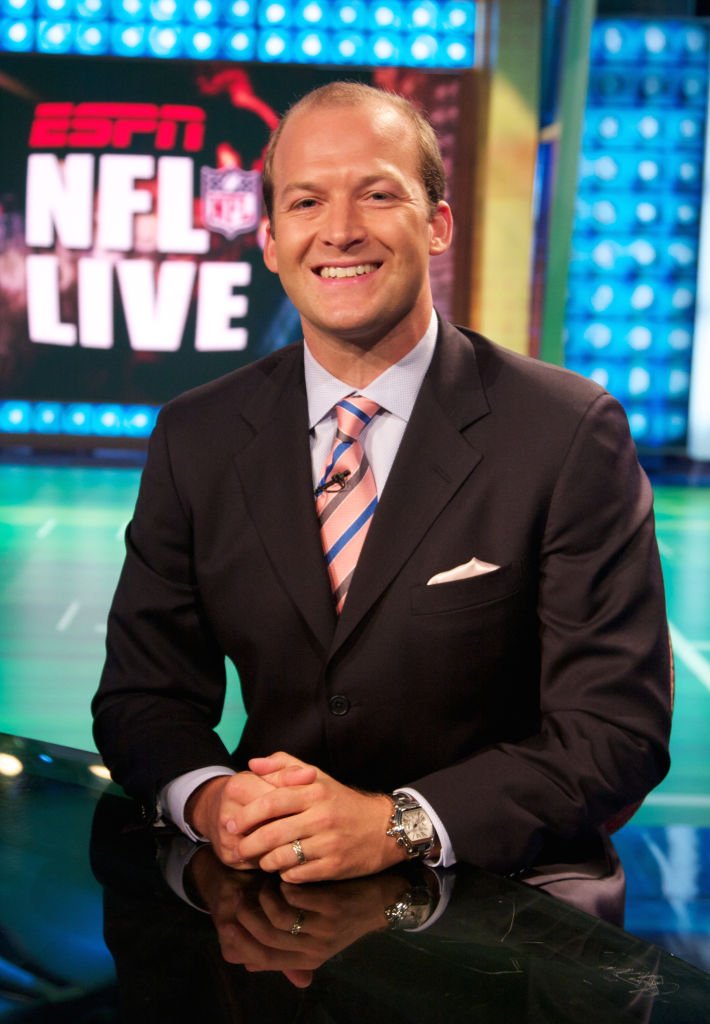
point(411, 826)
point(412, 909)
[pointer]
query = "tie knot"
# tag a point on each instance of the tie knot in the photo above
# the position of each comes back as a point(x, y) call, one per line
point(354, 413)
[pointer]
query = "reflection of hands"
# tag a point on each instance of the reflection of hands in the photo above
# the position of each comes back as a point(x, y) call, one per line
point(213, 808)
point(270, 926)
point(343, 832)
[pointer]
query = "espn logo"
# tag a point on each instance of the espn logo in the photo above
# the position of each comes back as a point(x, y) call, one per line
point(117, 126)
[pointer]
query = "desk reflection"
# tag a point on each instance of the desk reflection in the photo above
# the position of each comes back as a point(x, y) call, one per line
point(409, 945)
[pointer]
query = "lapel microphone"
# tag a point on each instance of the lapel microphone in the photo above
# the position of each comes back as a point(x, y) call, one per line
point(337, 481)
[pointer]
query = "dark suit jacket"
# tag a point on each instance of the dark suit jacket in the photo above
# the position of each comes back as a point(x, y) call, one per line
point(525, 704)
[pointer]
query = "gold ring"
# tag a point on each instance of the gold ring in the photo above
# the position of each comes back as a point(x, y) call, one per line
point(298, 923)
point(298, 850)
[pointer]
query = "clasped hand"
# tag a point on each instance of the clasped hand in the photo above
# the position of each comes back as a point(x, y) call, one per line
point(269, 926)
point(253, 819)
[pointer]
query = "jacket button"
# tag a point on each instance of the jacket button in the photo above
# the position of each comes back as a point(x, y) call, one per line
point(339, 705)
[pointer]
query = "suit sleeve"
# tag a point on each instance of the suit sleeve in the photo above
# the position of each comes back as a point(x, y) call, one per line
point(605, 668)
point(163, 684)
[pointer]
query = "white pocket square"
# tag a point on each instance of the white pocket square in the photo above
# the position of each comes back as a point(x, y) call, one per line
point(463, 572)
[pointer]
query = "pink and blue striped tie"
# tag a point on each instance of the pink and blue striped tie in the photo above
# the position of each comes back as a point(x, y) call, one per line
point(347, 495)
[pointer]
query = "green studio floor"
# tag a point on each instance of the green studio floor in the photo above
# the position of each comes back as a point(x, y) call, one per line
point(61, 548)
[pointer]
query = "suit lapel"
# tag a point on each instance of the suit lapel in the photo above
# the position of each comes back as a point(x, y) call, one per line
point(275, 469)
point(433, 461)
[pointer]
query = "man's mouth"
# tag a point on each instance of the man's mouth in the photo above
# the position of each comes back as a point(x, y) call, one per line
point(356, 271)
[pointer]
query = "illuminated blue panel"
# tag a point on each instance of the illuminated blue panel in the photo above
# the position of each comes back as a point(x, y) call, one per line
point(350, 14)
point(130, 10)
point(275, 13)
point(129, 40)
point(17, 36)
point(241, 12)
point(47, 418)
point(202, 42)
point(92, 10)
point(274, 45)
point(387, 16)
point(421, 16)
point(93, 38)
point(385, 48)
point(55, 36)
point(312, 14)
point(165, 11)
point(409, 33)
point(77, 418)
point(203, 12)
point(312, 47)
point(239, 44)
point(349, 48)
point(15, 9)
point(634, 260)
point(15, 417)
point(165, 41)
point(55, 9)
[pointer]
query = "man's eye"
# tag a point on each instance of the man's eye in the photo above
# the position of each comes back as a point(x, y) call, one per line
point(304, 204)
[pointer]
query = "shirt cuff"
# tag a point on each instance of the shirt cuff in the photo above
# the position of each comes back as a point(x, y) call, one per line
point(447, 857)
point(173, 797)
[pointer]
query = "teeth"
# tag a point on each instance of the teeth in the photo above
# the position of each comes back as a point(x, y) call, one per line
point(361, 268)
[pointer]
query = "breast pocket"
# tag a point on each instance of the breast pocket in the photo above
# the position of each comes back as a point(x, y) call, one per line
point(459, 595)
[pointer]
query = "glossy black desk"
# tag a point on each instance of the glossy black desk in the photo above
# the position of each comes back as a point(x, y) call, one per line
point(91, 933)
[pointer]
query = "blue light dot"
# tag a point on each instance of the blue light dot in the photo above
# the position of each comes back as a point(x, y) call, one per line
point(384, 16)
point(639, 380)
point(131, 37)
point(239, 41)
point(640, 338)
point(202, 41)
point(348, 15)
point(275, 13)
point(312, 45)
point(275, 46)
point(609, 127)
point(655, 39)
point(679, 339)
point(312, 12)
point(456, 52)
point(383, 49)
point(457, 17)
point(346, 48)
point(18, 32)
point(613, 40)
point(598, 335)
point(648, 127)
point(240, 8)
point(57, 34)
point(642, 297)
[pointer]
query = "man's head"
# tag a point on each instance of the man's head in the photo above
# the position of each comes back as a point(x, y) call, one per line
point(355, 215)
point(350, 94)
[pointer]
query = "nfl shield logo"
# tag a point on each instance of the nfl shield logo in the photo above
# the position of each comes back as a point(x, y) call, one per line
point(231, 200)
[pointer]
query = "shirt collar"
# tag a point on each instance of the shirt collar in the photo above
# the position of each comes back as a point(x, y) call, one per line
point(395, 389)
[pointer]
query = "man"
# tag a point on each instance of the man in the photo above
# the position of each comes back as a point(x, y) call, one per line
point(496, 644)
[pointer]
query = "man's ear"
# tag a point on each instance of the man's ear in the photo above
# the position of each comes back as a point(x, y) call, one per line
point(270, 250)
point(442, 229)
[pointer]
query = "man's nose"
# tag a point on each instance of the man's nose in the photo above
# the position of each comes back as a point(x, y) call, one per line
point(343, 226)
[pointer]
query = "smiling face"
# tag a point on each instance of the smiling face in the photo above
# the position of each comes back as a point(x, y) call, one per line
point(352, 230)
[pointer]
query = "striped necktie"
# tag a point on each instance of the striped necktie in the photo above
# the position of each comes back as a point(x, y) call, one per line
point(346, 495)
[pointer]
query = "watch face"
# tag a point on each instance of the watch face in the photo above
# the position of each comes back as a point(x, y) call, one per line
point(416, 824)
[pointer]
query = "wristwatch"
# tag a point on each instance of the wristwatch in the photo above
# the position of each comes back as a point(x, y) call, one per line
point(411, 826)
point(413, 908)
